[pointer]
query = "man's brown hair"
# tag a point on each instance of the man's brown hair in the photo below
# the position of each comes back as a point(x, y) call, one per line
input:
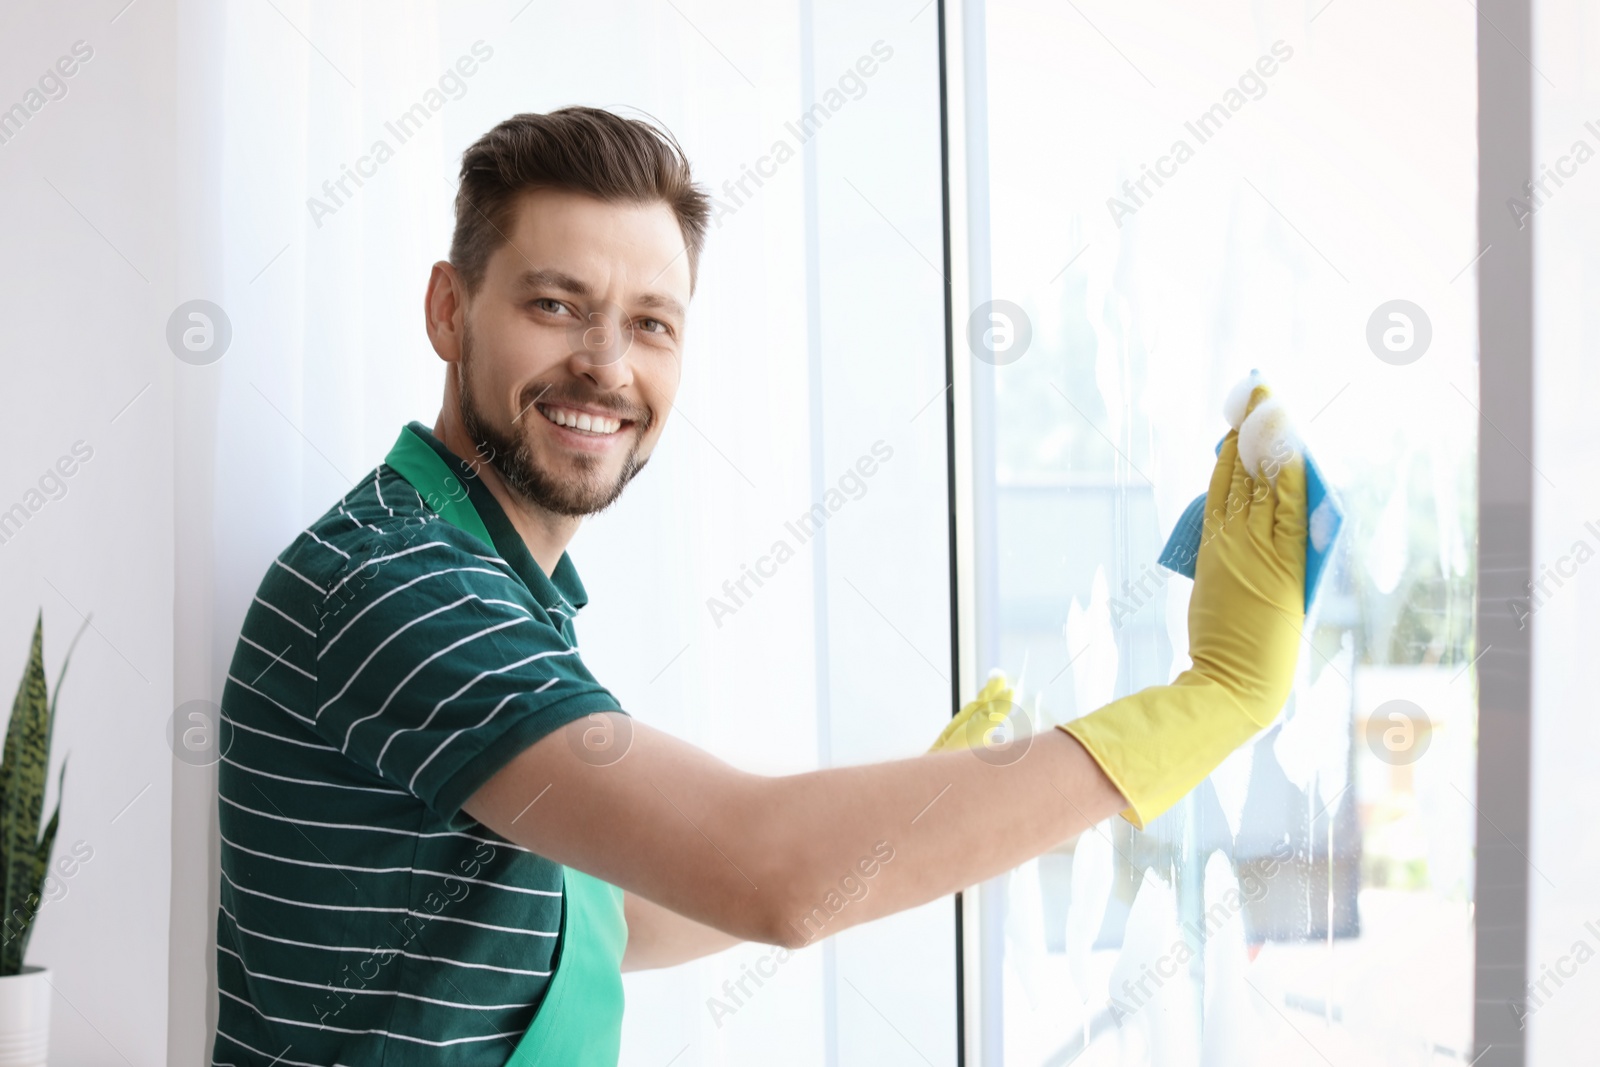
point(583, 149)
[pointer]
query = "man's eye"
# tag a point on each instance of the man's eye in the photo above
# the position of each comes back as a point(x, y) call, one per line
point(555, 307)
point(664, 327)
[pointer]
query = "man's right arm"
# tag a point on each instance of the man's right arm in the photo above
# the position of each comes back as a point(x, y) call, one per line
point(782, 860)
point(769, 858)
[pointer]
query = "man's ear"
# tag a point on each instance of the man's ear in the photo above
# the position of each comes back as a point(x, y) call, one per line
point(445, 309)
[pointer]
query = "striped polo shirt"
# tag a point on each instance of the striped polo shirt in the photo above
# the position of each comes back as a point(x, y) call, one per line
point(390, 664)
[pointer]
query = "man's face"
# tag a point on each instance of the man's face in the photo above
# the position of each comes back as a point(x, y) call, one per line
point(571, 347)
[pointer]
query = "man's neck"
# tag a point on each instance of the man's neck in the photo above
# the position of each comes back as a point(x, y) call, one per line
point(544, 533)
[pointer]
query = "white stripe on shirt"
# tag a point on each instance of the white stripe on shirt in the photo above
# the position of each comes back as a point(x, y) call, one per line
point(399, 952)
point(488, 926)
point(374, 829)
point(376, 560)
point(311, 534)
point(250, 688)
point(308, 904)
point(280, 611)
point(377, 487)
point(392, 870)
point(372, 1030)
point(408, 585)
point(277, 657)
point(297, 574)
point(278, 737)
point(312, 781)
point(325, 987)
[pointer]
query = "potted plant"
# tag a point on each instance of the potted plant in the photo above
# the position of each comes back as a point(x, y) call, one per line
point(25, 859)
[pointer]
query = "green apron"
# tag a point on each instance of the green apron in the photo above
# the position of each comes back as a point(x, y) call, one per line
point(579, 1022)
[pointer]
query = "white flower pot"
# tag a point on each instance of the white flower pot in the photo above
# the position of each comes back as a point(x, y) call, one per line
point(24, 1018)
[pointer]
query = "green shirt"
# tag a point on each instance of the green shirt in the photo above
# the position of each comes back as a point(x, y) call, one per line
point(394, 659)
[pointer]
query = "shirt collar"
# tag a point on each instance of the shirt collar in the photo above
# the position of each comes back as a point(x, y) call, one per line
point(438, 475)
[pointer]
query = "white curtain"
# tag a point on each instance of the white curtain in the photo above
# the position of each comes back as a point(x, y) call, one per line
point(816, 335)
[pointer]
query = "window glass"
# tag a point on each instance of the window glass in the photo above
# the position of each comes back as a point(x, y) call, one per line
point(1177, 195)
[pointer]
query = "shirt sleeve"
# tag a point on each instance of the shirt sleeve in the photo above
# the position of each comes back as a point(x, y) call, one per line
point(436, 666)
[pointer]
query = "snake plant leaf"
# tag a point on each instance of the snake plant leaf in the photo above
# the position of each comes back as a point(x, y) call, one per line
point(24, 768)
point(41, 867)
point(61, 676)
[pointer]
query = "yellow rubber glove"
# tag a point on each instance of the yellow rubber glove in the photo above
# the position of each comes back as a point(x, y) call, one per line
point(1245, 618)
point(988, 722)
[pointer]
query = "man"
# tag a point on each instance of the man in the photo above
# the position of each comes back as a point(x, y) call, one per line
point(442, 839)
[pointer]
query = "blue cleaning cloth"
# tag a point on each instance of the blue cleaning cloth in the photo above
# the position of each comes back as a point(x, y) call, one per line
point(1324, 518)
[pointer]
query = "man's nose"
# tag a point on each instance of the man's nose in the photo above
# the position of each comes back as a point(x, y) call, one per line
point(601, 348)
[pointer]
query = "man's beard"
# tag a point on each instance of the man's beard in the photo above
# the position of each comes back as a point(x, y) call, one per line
point(511, 457)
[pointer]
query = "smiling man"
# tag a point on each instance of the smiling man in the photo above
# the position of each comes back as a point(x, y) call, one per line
point(443, 840)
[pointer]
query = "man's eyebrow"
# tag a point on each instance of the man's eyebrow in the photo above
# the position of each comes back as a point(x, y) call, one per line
point(553, 278)
point(664, 303)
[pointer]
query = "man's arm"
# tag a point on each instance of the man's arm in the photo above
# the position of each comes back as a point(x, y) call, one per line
point(757, 857)
point(660, 937)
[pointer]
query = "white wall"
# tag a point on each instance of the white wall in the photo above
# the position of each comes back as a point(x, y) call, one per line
point(1564, 888)
point(89, 281)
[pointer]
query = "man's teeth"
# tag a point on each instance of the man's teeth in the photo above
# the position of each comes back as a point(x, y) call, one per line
point(580, 420)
